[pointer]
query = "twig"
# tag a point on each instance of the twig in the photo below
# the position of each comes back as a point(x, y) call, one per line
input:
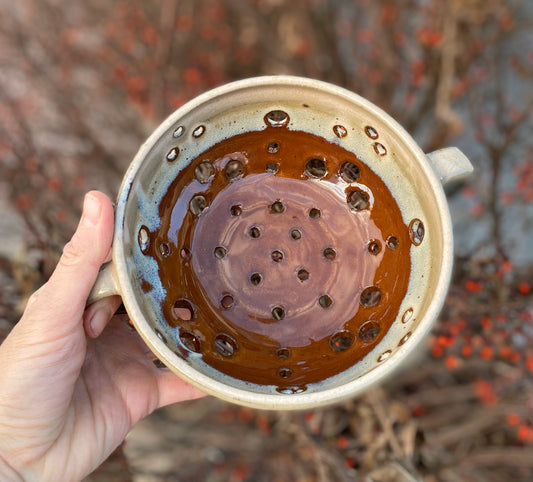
point(468, 427)
point(499, 456)
point(386, 424)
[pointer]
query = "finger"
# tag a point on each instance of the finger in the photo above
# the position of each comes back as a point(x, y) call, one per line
point(173, 389)
point(98, 314)
point(62, 299)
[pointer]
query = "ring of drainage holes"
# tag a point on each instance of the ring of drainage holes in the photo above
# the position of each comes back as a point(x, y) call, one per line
point(184, 310)
point(315, 168)
point(369, 298)
point(341, 341)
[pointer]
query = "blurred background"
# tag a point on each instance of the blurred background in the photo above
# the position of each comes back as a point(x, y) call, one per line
point(82, 84)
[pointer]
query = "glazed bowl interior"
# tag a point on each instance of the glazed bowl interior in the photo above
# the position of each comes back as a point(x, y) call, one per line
point(313, 107)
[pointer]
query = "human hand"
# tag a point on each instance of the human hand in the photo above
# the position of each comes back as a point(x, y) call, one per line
point(74, 380)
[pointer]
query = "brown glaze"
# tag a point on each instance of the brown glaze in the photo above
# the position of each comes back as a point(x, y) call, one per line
point(287, 258)
point(146, 286)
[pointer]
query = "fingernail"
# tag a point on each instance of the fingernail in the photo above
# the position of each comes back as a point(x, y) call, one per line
point(91, 210)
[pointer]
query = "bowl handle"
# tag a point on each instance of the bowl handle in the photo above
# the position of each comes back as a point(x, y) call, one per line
point(450, 164)
point(105, 284)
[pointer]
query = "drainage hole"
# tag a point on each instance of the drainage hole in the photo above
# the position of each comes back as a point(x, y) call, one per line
point(185, 253)
point(392, 242)
point(183, 310)
point(314, 213)
point(198, 132)
point(296, 234)
point(164, 249)
point(254, 232)
point(272, 167)
point(277, 256)
point(404, 339)
point(350, 172)
point(380, 149)
point(179, 131)
point(303, 274)
point(340, 131)
point(160, 336)
point(190, 341)
point(325, 301)
point(291, 390)
point(369, 331)
point(315, 168)
point(358, 200)
point(234, 170)
point(235, 210)
point(256, 279)
point(143, 238)
point(416, 231)
point(227, 302)
point(225, 345)
point(371, 132)
point(220, 252)
point(342, 340)
point(277, 118)
point(374, 247)
point(277, 207)
point(197, 205)
point(204, 172)
point(384, 356)
point(173, 154)
point(370, 296)
point(283, 353)
point(273, 147)
point(330, 253)
point(278, 313)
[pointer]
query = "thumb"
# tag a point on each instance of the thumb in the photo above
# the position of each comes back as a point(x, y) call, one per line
point(65, 294)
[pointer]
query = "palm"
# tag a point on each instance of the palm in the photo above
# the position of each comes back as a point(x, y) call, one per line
point(118, 385)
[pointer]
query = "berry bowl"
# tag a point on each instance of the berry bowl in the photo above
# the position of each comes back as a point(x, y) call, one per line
point(282, 243)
